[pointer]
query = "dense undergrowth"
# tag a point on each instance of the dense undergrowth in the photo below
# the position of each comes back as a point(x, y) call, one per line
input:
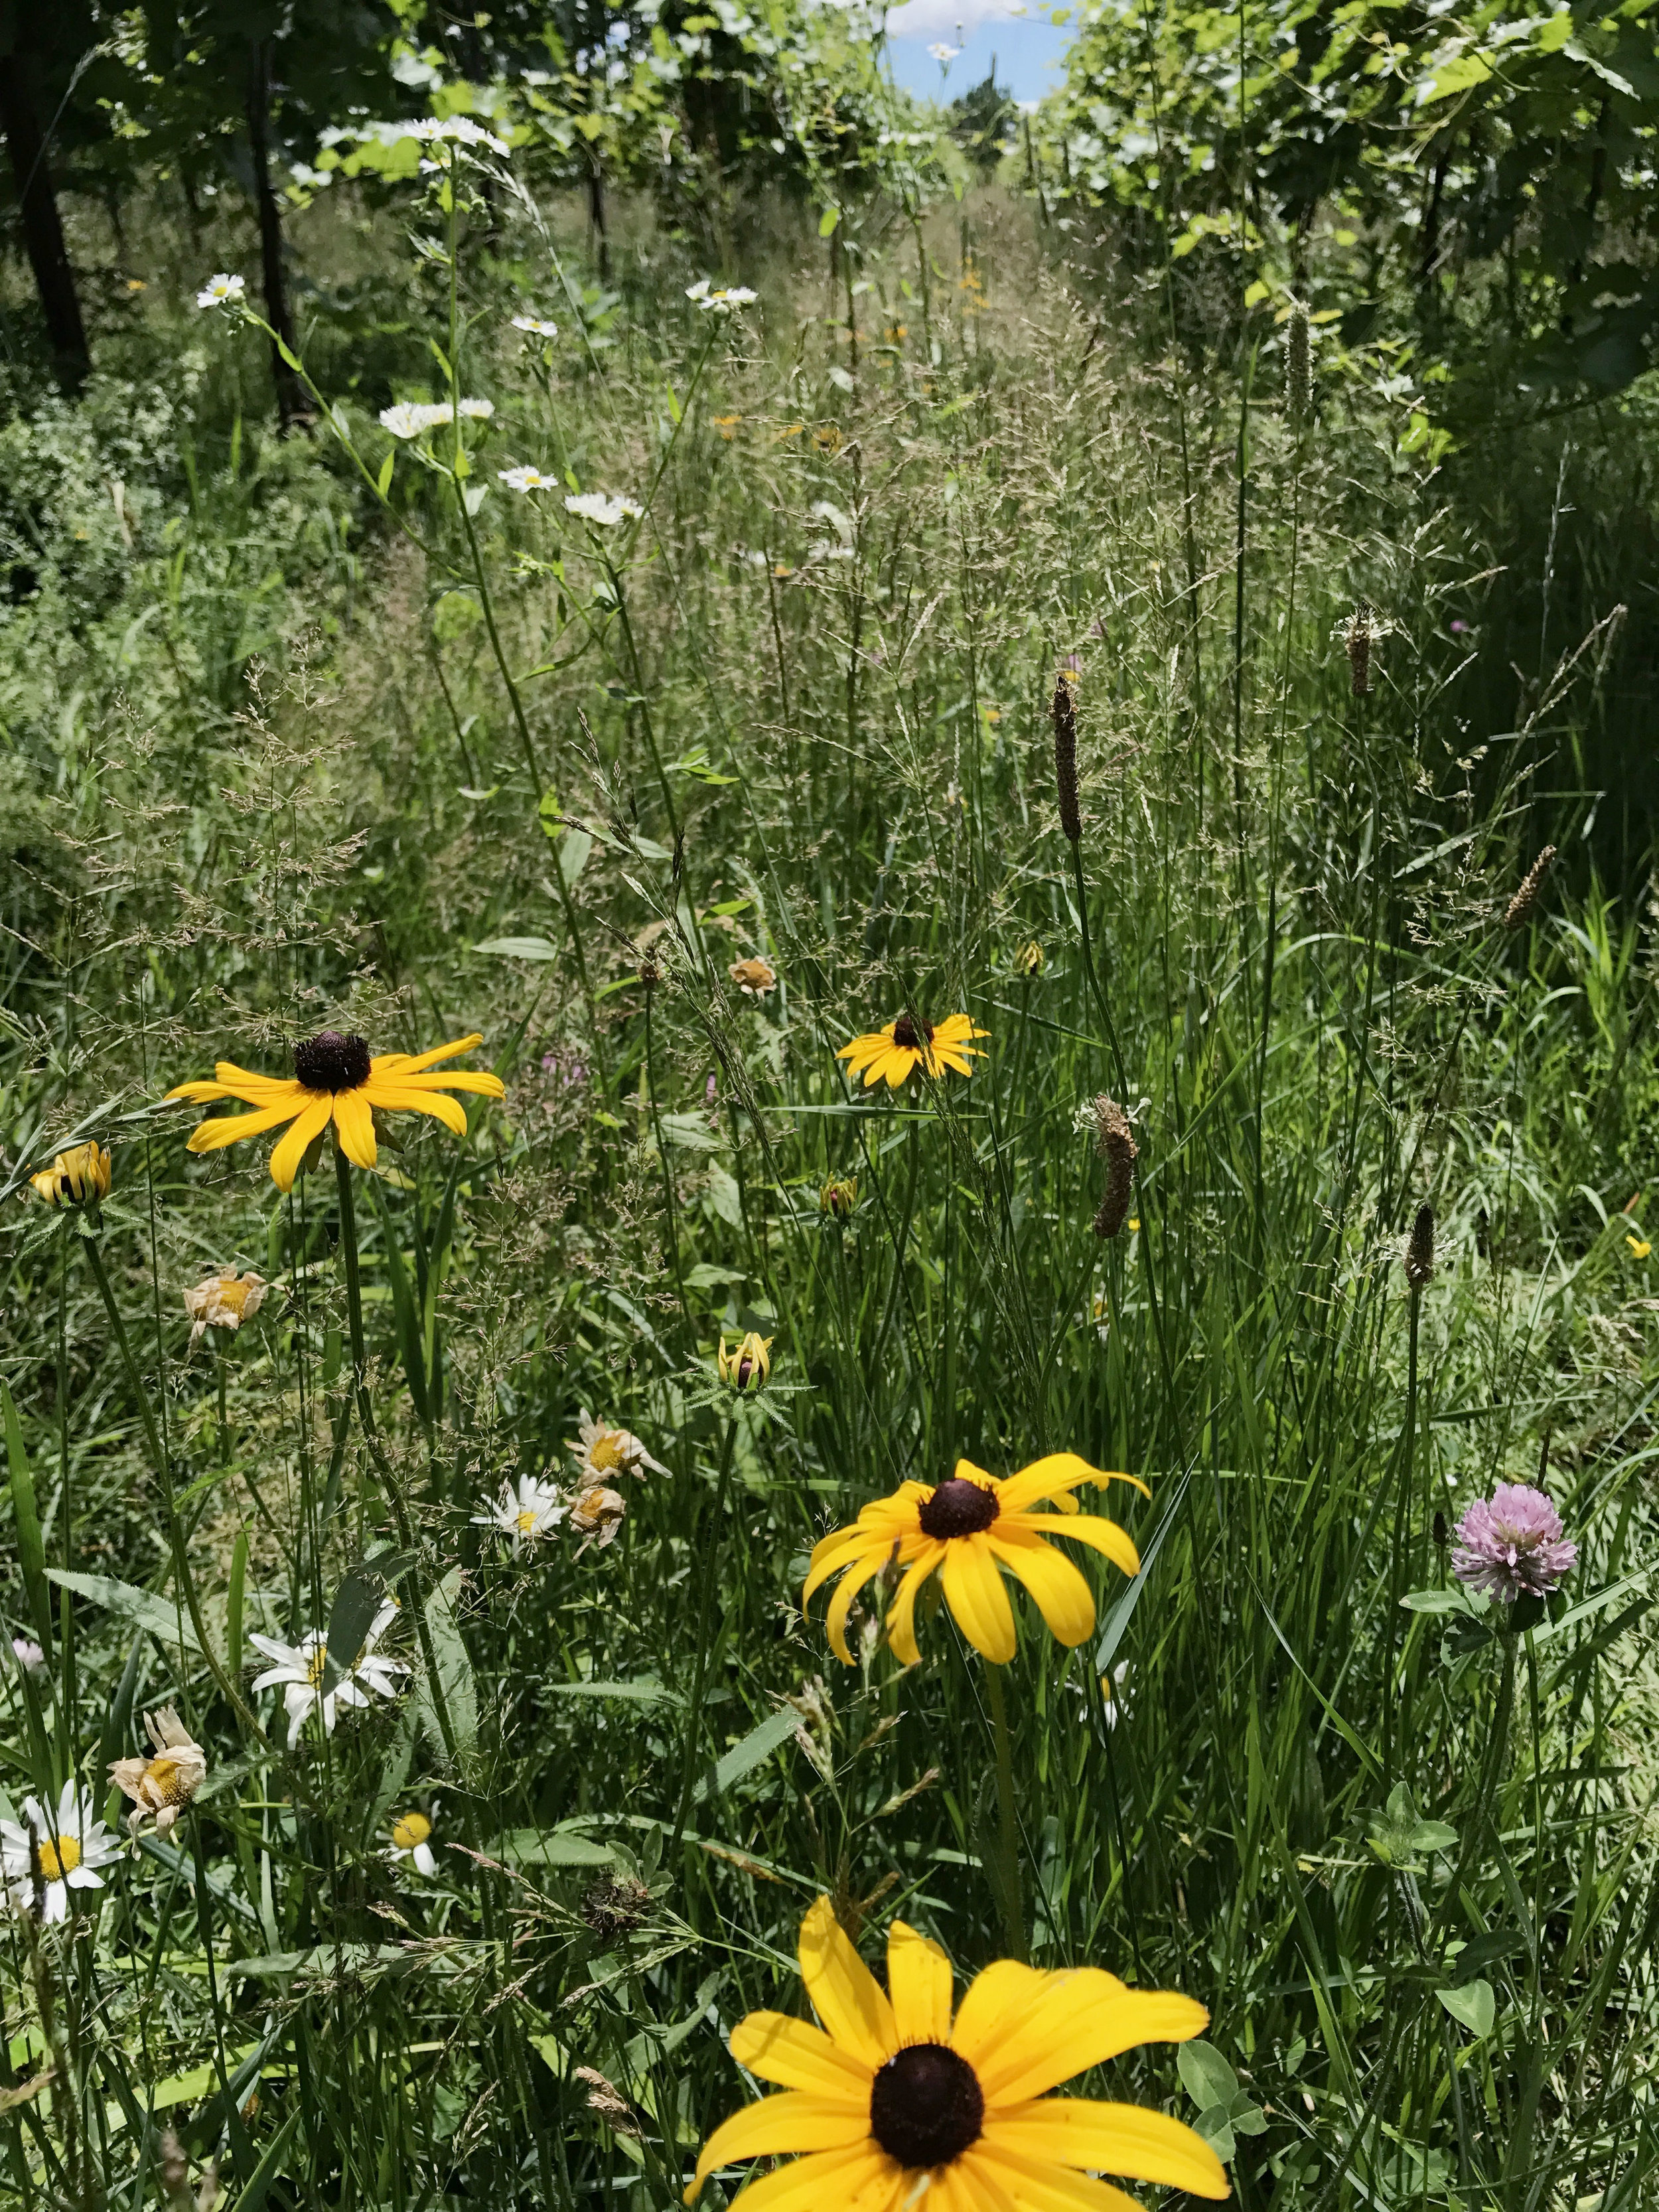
point(344, 733)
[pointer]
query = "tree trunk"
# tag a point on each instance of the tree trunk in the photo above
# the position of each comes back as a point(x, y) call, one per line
point(43, 232)
point(291, 407)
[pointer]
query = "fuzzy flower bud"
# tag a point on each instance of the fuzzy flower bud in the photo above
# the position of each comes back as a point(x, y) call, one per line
point(1418, 1260)
point(1115, 1142)
point(1521, 906)
point(1030, 960)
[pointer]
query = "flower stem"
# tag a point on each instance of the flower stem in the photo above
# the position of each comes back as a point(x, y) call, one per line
point(705, 1607)
point(159, 1461)
point(1005, 1874)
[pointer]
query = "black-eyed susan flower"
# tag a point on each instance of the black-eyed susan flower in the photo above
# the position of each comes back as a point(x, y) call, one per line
point(907, 1044)
point(748, 1364)
point(966, 1529)
point(78, 1177)
point(334, 1080)
point(895, 2101)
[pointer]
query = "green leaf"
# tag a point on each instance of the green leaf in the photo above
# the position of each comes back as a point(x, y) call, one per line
point(233, 1604)
point(1437, 1601)
point(573, 848)
point(553, 1847)
point(828, 221)
point(388, 469)
point(759, 1744)
point(142, 1607)
point(1207, 2078)
point(455, 1678)
point(1217, 2130)
point(641, 1692)
point(272, 2167)
point(1433, 1836)
point(31, 1546)
point(356, 1604)
point(676, 412)
point(1474, 2005)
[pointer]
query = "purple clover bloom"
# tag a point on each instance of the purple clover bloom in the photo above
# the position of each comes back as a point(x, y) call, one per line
point(1510, 1545)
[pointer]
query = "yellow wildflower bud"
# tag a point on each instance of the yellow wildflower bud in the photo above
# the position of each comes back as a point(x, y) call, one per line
point(1031, 959)
point(747, 1366)
point(77, 1178)
point(838, 1197)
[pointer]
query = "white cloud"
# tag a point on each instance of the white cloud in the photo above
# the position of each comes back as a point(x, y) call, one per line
point(932, 19)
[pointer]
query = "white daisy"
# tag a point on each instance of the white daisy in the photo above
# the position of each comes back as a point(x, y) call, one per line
point(458, 130)
point(605, 1450)
point(221, 292)
point(535, 327)
point(44, 1858)
point(28, 1654)
point(719, 300)
point(412, 419)
point(527, 478)
point(942, 54)
point(409, 1831)
point(598, 507)
point(300, 1667)
point(477, 410)
point(531, 1511)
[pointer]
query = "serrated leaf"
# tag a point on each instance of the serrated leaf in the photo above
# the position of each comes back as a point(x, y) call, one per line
point(142, 1607)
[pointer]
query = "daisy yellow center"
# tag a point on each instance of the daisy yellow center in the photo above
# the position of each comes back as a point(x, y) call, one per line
point(957, 1508)
point(526, 1521)
point(59, 1858)
point(331, 1062)
point(606, 1452)
point(233, 1295)
point(410, 1831)
point(910, 1035)
point(164, 1777)
point(317, 1665)
point(926, 2105)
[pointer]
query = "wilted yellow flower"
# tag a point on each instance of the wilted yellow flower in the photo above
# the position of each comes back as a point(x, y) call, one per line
point(1031, 959)
point(596, 1515)
point(839, 1196)
point(162, 1785)
point(223, 1302)
point(77, 1178)
point(747, 1367)
point(754, 976)
point(603, 1450)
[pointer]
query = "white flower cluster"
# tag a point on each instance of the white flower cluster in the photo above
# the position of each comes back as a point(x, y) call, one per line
point(526, 478)
point(597, 507)
point(413, 418)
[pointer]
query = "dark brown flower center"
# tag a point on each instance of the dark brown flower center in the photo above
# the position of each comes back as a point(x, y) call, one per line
point(958, 1507)
point(331, 1062)
point(926, 2105)
point(912, 1035)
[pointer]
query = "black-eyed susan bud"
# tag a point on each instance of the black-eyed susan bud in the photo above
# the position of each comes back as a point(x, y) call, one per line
point(1521, 906)
point(1298, 364)
point(1114, 1141)
point(77, 1178)
point(1419, 1250)
point(1065, 712)
point(1031, 959)
point(838, 1197)
point(747, 1366)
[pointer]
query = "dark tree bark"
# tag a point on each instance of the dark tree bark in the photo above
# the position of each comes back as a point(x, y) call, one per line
point(291, 408)
point(43, 231)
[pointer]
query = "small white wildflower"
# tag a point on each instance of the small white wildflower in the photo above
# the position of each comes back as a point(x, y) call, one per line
point(409, 1831)
point(722, 299)
point(598, 507)
point(43, 1856)
point(28, 1654)
point(300, 1669)
point(477, 410)
point(412, 419)
point(944, 55)
point(454, 130)
point(527, 478)
point(221, 292)
point(535, 327)
point(527, 1513)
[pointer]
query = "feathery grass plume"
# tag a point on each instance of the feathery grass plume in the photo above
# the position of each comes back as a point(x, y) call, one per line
point(1521, 906)
point(1065, 712)
point(1298, 364)
point(1115, 1142)
point(1419, 1250)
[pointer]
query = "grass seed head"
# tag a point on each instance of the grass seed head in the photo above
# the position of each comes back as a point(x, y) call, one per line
point(1419, 1250)
point(1298, 364)
point(1522, 905)
point(1114, 1141)
point(1065, 713)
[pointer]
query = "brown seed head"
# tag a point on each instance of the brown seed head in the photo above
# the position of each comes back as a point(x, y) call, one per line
point(1419, 1250)
point(1115, 1142)
point(1521, 906)
point(1064, 710)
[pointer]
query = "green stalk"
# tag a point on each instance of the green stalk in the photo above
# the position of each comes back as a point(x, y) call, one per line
point(1007, 1881)
point(705, 1606)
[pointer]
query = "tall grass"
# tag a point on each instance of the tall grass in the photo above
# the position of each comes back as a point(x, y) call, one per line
point(802, 710)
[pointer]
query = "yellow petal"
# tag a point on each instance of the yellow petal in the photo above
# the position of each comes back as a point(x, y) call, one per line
point(798, 2056)
point(1036, 2186)
point(388, 1094)
point(919, 1985)
point(1078, 2020)
point(995, 1994)
point(1063, 1598)
point(968, 2187)
point(1127, 2139)
point(844, 1992)
point(355, 1125)
point(452, 1078)
point(416, 1063)
point(1054, 1472)
point(973, 1592)
point(861, 2180)
point(835, 1619)
point(901, 1620)
point(230, 1129)
point(842, 1550)
point(312, 1120)
point(1084, 1529)
point(793, 2121)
